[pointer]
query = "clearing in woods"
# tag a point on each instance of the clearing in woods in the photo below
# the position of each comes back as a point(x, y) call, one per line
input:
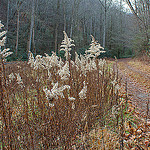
point(137, 75)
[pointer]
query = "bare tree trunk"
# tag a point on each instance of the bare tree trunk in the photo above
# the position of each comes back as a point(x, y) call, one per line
point(100, 27)
point(7, 15)
point(121, 28)
point(105, 6)
point(135, 3)
point(56, 28)
point(56, 36)
point(84, 31)
point(31, 28)
point(17, 32)
point(104, 29)
point(72, 20)
point(71, 30)
point(64, 9)
point(91, 20)
point(7, 18)
point(33, 41)
point(111, 30)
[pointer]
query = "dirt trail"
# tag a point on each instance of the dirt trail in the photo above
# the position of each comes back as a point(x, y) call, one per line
point(137, 75)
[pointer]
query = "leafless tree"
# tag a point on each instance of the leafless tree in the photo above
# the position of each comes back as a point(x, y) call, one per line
point(141, 10)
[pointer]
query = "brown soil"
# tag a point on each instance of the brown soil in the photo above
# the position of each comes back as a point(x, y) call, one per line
point(137, 75)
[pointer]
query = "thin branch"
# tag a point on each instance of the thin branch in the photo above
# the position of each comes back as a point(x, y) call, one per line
point(109, 4)
point(102, 4)
point(132, 9)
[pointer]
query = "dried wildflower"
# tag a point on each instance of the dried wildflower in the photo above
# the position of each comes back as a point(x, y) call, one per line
point(49, 74)
point(2, 42)
point(19, 67)
point(3, 33)
point(71, 98)
point(60, 63)
point(66, 45)
point(88, 66)
point(83, 64)
point(73, 106)
point(113, 82)
point(19, 80)
point(6, 82)
point(55, 91)
point(84, 116)
point(51, 104)
point(64, 72)
point(115, 110)
point(46, 61)
point(91, 65)
point(51, 61)
point(115, 58)
point(93, 106)
point(38, 79)
point(1, 25)
point(7, 54)
point(38, 63)
point(11, 77)
point(72, 62)
point(94, 50)
point(101, 63)
point(100, 72)
point(31, 59)
point(4, 53)
point(54, 59)
point(117, 87)
point(83, 92)
point(77, 60)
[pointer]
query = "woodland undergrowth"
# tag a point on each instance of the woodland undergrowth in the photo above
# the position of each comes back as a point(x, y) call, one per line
point(50, 103)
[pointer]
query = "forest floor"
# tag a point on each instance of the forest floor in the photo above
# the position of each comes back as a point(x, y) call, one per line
point(135, 79)
point(137, 75)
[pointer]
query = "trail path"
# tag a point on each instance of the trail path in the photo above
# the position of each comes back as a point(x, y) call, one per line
point(137, 75)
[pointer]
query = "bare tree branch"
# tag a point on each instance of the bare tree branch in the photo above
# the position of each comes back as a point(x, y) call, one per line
point(102, 4)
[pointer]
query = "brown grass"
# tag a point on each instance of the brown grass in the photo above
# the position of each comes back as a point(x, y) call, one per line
point(28, 121)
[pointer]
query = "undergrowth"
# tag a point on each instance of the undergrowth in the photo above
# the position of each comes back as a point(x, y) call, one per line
point(49, 103)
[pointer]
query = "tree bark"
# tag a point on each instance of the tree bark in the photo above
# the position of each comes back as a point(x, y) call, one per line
point(56, 28)
point(71, 28)
point(104, 31)
point(17, 37)
point(31, 27)
point(7, 15)
point(64, 10)
point(7, 18)
point(56, 36)
point(105, 7)
point(33, 41)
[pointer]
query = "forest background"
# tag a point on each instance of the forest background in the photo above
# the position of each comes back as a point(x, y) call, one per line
point(38, 25)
